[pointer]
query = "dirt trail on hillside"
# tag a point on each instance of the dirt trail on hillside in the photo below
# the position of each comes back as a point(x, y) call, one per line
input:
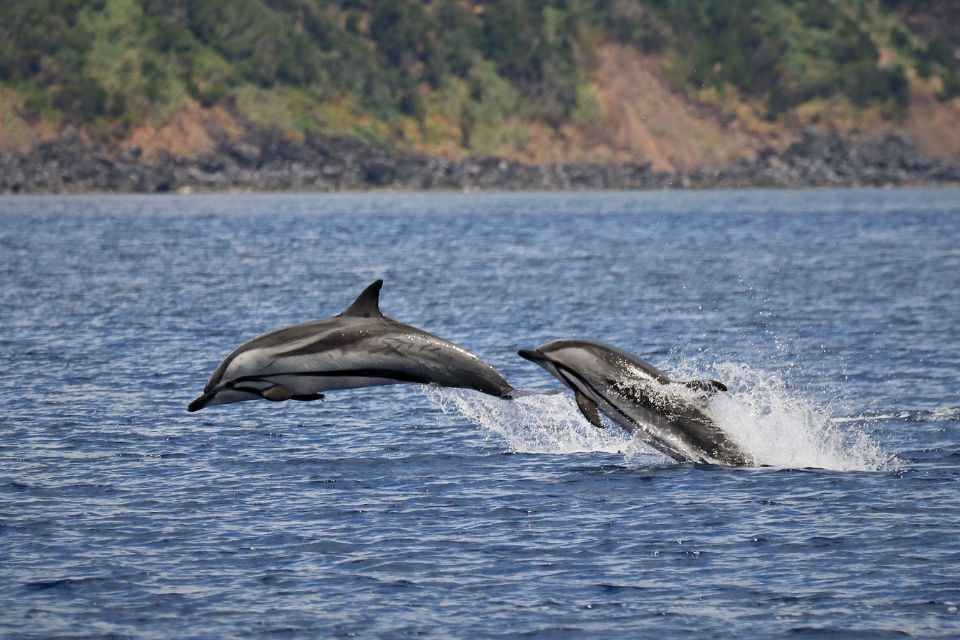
point(646, 120)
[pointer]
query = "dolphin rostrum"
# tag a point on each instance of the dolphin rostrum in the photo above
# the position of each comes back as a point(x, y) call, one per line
point(670, 417)
point(358, 348)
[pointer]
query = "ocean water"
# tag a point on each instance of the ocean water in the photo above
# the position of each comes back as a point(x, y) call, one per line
point(833, 316)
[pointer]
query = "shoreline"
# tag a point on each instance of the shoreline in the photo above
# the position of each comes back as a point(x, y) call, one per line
point(251, 193)
point(265, 161)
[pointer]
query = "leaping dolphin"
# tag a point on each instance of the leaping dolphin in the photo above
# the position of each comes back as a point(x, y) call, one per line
point(641, 399)
point(358, 348)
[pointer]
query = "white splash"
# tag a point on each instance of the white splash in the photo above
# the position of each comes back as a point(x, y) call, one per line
point(549, 424)
point(778, 425)
point(783, 428)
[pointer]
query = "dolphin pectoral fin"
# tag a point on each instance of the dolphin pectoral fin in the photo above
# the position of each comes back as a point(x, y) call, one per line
point(589, 409)
point(309, 397)
point(709, 387)
point(277, 394)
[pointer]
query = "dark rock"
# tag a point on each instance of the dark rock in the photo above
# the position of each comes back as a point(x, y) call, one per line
point(379, 174)
point(246, 154)
point(267, 160)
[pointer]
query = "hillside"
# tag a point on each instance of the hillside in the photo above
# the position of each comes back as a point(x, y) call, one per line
point(674, 87)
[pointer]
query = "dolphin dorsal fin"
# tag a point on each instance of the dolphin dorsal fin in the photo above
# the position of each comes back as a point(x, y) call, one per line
point(367, 304)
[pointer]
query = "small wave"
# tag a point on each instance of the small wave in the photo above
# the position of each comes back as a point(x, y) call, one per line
point(940, 414)
point(777, 425)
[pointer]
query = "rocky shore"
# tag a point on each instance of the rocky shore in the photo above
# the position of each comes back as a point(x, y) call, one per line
point(267, 161)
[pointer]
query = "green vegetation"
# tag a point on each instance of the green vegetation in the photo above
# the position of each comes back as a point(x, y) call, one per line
point(475, 67)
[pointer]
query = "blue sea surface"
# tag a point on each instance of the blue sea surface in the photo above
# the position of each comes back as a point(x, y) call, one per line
point(833, 316)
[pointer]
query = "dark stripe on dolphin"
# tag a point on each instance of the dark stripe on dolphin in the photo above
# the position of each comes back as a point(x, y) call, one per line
point(388, 374)
point(656, 444)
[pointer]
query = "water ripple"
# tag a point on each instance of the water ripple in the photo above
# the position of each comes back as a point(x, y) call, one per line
point(831, 315)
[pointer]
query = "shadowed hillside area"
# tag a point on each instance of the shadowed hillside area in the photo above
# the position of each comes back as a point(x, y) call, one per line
point(303, 94)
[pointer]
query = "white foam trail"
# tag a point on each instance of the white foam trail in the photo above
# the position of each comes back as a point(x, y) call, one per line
point(779, 426)
point(539, 424)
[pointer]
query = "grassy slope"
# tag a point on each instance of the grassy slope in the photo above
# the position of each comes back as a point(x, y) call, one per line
point(679, 82)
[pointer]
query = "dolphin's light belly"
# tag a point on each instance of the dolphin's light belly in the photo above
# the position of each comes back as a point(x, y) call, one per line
point(230, 396)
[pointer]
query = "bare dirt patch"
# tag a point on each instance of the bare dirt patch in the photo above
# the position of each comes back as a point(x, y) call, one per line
point(646, 120)
point(188, 134)
point(934, 126)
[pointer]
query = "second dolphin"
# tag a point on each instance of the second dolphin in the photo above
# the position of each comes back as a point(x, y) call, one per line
point(641, 399)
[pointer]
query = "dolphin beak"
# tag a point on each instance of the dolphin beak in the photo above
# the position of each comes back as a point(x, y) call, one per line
point(532, 355)
point(200, 402)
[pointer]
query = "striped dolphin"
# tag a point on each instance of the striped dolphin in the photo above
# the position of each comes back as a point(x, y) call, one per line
point(358, 348)
point(669, 416)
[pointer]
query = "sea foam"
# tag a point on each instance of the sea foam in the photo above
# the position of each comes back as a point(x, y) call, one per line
point(780, 426)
